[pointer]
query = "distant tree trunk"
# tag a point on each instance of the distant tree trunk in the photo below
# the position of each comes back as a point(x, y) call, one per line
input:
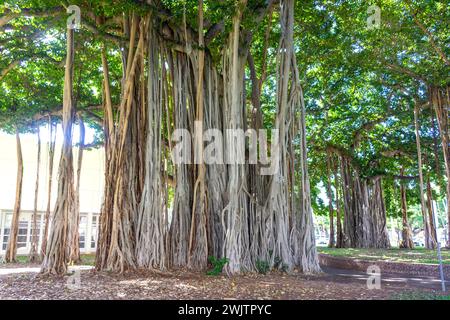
point(34, 256)
point(11, 249)
point(429, 202)
point(331, 242)
point(309, 262)
point(74, 247)
point(407, 242)
point(436, 145)
point(151, 225)
point(428, 240)
point(51, 157)
point(339, 236)
point(440, 99)
point(365, 212)
point(56, 255)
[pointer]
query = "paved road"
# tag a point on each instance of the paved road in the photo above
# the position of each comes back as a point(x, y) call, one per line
point(390, 279)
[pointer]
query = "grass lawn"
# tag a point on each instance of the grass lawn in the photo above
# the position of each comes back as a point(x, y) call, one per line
point(86, 259)
point(418, 255)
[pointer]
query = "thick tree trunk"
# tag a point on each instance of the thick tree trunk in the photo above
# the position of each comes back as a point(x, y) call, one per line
point(216, 172)
point(105, 219)
point(11, 249)
point(235, 214)
point(151, 226)
point(305, 253)
point(302, 233)
point(278, 198)
point(122, 201)
point(74, 247)
point(56, 255)
point(34, 256)
point(51, 157)
point(377, 209)
point(407, 242)
point(428, 239)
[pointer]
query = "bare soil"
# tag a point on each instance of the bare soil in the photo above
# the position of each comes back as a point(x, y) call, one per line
point(188, 285)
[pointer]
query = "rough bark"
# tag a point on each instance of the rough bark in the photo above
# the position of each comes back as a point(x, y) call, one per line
point(151, 226)
point(105, 220)
point(365, 212)
point(182, 204)
point(278, 198)
point(34, 256)
point(235, 213)
point(122, 197)
point(219, 209)
point(56, 255)
point(216, 172)
point(304, 247)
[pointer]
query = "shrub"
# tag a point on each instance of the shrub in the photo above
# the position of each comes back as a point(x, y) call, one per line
point(262, 266)
point(217, 264)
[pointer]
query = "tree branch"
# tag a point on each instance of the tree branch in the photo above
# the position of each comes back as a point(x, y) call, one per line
point(49, 12)
point(429, 35)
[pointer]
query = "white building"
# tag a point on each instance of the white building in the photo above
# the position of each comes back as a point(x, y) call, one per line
point(91, 189)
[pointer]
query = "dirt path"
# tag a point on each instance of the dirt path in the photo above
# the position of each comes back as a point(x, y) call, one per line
point(332, 284)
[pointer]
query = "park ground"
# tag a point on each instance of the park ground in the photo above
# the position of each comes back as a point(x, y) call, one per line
point(417, 255)
point(22, 281)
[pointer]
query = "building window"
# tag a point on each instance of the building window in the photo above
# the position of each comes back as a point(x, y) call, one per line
point(88, 230)
point(5, 238)
point(6, 230)
point(82, 231)
point(94, 229)
point(23, 234)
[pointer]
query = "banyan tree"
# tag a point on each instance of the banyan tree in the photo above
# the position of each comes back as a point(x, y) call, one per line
point(183, 95)
point(223, 123)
